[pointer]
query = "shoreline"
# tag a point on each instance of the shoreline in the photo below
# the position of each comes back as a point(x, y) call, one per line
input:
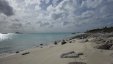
point(3, 55)
point(85, 44)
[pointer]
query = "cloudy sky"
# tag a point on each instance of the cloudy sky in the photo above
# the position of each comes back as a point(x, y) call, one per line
point(54, 15)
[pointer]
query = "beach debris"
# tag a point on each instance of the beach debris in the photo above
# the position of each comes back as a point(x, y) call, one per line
point(70, 42)
point(17, 51)
point(55, 43)
point(76, 63)
point(63, 42)
point(80, 53)
point(41, 44)
point(25, 53)
point(71, 54)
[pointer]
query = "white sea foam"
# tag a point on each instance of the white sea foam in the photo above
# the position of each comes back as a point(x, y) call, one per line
point(6, 36)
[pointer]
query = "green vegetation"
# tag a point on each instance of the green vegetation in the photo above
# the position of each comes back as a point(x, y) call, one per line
point(101, 30)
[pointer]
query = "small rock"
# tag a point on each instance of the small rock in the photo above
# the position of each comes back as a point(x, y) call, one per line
point(80, 53)
point(70, 42)
point(63, 42)
point(55, 43)
point(71, 54)
point(76, 63)
point(41, 44)
point(17, 51)
point(25, 53)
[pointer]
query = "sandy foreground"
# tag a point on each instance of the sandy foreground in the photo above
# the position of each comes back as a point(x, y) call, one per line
point(51, 54)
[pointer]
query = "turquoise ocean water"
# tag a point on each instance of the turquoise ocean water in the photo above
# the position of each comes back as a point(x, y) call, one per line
point(11, 42)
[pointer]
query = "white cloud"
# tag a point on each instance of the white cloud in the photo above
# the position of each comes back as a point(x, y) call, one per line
point(57, 15)
point(93, 3)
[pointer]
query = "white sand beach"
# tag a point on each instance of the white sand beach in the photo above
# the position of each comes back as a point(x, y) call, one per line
point(51, 54)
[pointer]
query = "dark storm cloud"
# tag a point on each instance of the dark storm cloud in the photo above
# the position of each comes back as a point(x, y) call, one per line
point(5, 8)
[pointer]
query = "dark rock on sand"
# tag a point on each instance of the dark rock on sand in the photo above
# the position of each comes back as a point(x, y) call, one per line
point(17, 51)
point(63, 42)
point(70, 42)
point(80, 53)
point(41, 44)
point(55, 43)
point(76, 63)
point(86, 40)
point(25, 53)
point(71, 54)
